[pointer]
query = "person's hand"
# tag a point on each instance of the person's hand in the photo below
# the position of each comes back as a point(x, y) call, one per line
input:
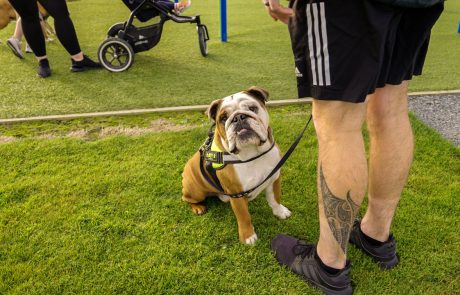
point(269, 11)
point(278, 11)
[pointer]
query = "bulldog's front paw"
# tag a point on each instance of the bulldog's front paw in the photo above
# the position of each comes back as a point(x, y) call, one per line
point(198, 209)
point(251, 240)
point(281, 212)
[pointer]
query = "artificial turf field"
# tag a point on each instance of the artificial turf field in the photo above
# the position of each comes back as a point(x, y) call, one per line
point(174, 73)
point(93, 207)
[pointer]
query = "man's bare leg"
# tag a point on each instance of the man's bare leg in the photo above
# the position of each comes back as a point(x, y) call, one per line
point(342, 174)
point(391, 152)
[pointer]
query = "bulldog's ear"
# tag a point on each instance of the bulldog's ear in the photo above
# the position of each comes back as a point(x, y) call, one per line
point(258, 93)
point(213, 108)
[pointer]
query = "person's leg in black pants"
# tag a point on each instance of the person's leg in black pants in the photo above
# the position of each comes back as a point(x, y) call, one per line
point(65, 31)
point(63, 25)
point(28, 10)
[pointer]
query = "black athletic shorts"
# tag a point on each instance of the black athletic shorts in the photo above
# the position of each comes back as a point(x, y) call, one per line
point(344, 49)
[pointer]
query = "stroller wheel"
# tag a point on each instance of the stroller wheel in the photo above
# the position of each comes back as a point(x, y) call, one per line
point(202, 39)
point(113, 31)
point(116, 55)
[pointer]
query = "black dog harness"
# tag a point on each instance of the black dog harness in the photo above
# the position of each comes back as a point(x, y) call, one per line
point(212, 160)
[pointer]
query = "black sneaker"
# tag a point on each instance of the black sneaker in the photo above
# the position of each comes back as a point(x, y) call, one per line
point(299, 257)
point(85, 64)
point(384, 253)
point(44, 69)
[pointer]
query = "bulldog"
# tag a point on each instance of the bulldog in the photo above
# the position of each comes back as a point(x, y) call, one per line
point(7, 13)
point(244, 140)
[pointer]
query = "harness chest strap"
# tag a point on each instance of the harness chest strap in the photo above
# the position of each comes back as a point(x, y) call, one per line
point(211, 175)
point(220, 159)
point(215, 159)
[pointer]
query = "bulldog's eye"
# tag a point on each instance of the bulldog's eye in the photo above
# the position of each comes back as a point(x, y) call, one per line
point(223, 118)
point(253, 109)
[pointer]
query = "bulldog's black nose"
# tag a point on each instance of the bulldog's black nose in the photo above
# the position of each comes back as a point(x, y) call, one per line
point(239, 117)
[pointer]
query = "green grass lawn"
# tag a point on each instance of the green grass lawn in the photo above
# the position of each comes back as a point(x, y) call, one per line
point(174, 73)
point(87, 207)
point(92, 206)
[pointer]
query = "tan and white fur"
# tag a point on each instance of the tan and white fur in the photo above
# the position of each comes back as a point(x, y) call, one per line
point(242, 129)
point(7, 13)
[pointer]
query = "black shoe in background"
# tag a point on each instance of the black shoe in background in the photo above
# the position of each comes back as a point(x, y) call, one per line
point(85, 64)
point(44, 69)
point(301, 258)
point(384, 253)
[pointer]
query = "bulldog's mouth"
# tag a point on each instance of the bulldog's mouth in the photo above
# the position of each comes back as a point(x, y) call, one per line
point(242, 131)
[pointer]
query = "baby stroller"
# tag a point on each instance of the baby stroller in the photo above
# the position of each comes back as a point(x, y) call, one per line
point(116, 53)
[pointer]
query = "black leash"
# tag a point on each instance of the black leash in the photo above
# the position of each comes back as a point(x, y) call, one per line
point(218, 186)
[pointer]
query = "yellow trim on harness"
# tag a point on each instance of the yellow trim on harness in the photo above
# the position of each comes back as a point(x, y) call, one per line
point(215, 148)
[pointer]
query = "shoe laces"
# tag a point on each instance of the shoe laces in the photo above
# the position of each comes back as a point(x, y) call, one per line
point(303, 249)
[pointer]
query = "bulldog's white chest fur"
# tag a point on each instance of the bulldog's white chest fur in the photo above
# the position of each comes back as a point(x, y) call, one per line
point(253, 173)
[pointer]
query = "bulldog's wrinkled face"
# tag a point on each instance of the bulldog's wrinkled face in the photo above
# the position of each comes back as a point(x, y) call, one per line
point(241, 119)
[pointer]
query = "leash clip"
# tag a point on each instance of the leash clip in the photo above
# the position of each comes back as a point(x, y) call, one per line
point(206, 146)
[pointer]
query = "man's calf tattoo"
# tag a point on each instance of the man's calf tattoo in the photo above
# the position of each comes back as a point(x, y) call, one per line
point(339, 212)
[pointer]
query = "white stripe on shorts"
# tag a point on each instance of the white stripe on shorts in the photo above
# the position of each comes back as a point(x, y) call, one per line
point(325, 49)
point(319, 58)
point(310, 45)
point(319, 66)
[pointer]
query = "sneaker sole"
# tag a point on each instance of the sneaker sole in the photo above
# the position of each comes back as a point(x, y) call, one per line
point(15, 52)
point(43, 77)
point(388, 264)
point(77, 70)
